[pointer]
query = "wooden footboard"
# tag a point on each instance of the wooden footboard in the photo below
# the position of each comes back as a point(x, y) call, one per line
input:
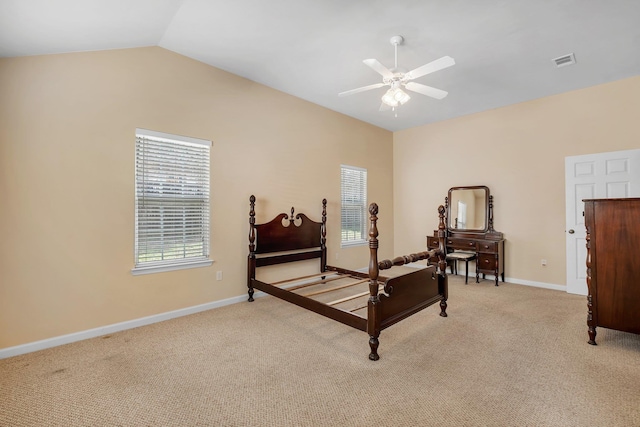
point(410, 293)
point(406, 294)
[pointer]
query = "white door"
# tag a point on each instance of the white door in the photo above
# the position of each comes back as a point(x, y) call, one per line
point(593, 176)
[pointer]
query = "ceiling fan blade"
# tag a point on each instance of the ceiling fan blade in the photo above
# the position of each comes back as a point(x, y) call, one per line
point(426, 90)
point(438, 64)
point(379, 68)
point(361, 89)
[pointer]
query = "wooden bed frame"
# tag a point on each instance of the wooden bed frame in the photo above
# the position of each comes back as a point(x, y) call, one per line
point(289, 238)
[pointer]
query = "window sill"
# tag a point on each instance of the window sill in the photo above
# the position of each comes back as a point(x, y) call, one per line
point(353, 243)
point(136, 271)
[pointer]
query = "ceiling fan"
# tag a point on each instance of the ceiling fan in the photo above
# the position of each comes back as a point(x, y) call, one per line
point(397, 79)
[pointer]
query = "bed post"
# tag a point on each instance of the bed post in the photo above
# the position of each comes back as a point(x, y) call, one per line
point(323, 239)
point(373, 313)
point(251, 269)
point(442, 264)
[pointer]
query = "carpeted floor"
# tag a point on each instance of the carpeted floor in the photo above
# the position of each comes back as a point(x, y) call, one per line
point(506, 356)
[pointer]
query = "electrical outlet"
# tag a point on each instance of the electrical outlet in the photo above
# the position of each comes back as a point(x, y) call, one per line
point(218, 275)
point(543, 262)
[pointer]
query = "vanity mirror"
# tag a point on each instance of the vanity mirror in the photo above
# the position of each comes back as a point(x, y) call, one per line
point(468, 209)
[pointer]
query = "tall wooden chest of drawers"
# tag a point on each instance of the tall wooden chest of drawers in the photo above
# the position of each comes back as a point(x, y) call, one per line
point(613, 264)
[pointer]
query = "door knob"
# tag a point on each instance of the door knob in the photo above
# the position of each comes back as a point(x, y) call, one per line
point(571, 231)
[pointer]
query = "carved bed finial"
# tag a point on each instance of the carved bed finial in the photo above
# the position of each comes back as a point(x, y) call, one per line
point(324, 223)
point(373, 244)
point(292, 217)
point(323, 237)
point(252, 222)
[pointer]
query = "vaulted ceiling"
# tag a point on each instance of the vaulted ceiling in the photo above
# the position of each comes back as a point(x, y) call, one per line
point(313, 49)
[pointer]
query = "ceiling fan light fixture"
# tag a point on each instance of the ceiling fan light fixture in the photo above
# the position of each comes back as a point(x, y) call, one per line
point(395, 96)
point(397, 78)
point(389, 101)
point(401, 96)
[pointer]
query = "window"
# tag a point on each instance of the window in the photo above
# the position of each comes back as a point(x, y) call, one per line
point(353, 188)
point(172, 202)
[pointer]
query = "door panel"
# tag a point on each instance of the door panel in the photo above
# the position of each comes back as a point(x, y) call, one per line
point(593, 176)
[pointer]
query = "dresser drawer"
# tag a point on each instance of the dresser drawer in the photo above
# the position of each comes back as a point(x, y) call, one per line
point(490, 247)
point(432, 242)
point(461, 244)
point(487, 262)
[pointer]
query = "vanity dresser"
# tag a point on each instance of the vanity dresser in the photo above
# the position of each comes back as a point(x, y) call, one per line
point(613, 264)
point(469, 219)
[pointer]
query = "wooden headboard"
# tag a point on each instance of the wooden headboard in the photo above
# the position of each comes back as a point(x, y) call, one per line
point(287, 233)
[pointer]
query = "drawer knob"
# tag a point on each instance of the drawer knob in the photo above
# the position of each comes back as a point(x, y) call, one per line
point(486, 261)
point(471, 244)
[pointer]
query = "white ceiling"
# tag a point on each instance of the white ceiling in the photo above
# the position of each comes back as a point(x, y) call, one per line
point(313, 49)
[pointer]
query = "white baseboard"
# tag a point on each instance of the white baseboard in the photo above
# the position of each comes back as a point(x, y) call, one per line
point(117, 327)
point(544, 285)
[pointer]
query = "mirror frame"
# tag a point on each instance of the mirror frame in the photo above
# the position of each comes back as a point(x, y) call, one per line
point(487, 220)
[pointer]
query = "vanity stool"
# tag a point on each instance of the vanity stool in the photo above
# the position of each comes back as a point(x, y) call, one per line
point(461, 256)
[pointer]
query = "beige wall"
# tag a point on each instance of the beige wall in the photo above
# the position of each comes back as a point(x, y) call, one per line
point(66, 178)
point(518, 152)
point(67, 126)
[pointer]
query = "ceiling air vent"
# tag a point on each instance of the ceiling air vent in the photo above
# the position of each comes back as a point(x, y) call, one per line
point(565, 60)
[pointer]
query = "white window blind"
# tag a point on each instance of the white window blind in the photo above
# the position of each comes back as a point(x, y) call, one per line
point(172, 201)
point(353, 188)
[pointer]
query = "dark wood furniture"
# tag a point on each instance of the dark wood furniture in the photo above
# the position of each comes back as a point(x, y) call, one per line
point(613, 264)
point(363, 301)
point(456, 256)
point(481, 238)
